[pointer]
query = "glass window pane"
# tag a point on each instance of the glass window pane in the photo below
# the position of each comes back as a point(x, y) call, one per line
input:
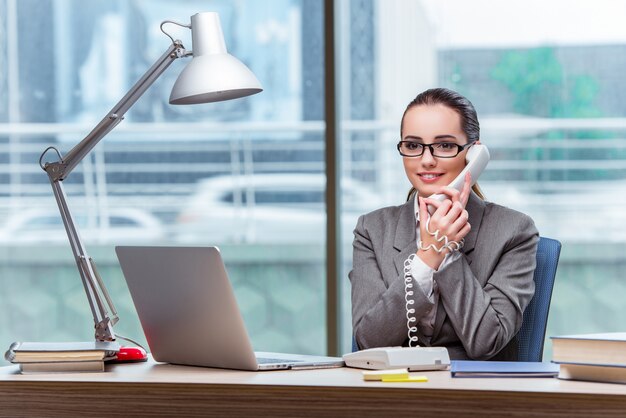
point(552, 112)
point(246, 174)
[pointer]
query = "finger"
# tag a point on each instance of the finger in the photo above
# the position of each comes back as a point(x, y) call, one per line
point(441, 207)
point(428, 227)
point(425, 219)
point(431, 202)
point(456, 210)
point(463, 232)
point(425, 224)
point(467, 189)
point(451, 192)
point(423, 210)
point(459, 223)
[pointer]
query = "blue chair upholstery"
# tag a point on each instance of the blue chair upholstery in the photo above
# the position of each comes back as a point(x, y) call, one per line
point(532, 334)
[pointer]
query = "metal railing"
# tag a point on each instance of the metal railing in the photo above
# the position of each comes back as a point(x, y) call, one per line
point(156, 166)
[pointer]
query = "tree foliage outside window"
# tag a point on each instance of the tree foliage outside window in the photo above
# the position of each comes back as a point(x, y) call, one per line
point(541, 88)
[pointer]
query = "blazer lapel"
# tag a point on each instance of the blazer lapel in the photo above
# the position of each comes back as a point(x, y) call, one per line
point(405, 236)
point(475, 209)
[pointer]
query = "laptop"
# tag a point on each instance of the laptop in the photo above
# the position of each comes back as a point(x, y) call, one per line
point(189, 314)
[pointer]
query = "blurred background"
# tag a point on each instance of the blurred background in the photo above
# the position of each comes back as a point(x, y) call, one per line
point(547, 80)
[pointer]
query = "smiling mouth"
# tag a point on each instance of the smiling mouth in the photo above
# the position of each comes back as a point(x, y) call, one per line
point(430, 176)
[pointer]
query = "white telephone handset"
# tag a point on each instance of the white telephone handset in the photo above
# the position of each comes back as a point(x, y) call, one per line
point(477, 158)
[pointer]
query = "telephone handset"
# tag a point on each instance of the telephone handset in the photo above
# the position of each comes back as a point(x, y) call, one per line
point(477, 158)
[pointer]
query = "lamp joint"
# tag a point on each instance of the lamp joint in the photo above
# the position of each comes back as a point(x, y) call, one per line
point(104, 331)
point(180, 52)
point(56, 170)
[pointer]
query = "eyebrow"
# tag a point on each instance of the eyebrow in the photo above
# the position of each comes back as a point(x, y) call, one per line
point(438, 137)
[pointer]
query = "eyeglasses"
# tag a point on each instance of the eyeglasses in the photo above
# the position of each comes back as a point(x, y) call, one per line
point(439, 150)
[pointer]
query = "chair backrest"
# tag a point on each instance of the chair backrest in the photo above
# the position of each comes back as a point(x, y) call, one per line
point(532, 334)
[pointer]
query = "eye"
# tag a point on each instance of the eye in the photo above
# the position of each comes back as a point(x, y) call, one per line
point(412, 146)
point(446, 146)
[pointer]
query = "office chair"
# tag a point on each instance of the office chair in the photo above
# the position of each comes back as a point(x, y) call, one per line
point(532, 334)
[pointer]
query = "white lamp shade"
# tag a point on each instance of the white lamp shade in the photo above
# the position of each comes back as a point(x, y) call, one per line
point(213, 74)
point(213, 78)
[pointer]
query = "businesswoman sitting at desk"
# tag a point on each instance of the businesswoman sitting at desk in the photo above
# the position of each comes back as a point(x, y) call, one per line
point(465, 272)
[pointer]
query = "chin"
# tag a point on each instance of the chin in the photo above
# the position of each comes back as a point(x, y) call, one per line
point(428, 189)
point(425, 191)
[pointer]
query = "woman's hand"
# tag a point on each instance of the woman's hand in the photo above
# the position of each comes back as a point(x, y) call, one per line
point(449, 218)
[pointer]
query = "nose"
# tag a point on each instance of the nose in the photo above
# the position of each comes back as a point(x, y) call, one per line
point(427, 157)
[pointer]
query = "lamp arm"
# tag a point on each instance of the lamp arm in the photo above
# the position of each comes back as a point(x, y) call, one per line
point(116, 114)
point(57, 171)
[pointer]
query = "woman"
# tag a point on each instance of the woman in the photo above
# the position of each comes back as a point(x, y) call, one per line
point(470, 263)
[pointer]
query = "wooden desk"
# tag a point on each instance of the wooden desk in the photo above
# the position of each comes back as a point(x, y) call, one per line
point(163, 389)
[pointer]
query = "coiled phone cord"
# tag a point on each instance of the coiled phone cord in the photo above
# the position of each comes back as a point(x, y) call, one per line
point(411, 322)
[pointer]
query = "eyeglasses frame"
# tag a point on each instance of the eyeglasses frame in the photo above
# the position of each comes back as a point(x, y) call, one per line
point(460, 148)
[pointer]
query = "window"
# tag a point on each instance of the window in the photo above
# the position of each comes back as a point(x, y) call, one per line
point(155, 177)
point(550, 102)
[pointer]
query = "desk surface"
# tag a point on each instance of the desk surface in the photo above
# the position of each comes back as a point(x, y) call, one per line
point(156, 388)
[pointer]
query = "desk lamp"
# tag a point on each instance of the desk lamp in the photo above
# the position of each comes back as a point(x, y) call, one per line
point(212, 75)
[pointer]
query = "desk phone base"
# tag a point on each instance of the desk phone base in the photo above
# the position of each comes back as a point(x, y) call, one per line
point(413, 358)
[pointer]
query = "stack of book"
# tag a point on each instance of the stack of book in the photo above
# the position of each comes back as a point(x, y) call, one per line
point(42, 357)
point(592, 357)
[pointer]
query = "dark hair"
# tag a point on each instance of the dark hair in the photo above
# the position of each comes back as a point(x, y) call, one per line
point(456, 102)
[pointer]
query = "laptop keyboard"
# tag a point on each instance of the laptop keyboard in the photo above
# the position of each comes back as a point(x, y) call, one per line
point(265, 360)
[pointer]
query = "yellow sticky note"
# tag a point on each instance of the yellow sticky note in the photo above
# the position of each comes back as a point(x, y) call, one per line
point(378, 375)
point(406, 379)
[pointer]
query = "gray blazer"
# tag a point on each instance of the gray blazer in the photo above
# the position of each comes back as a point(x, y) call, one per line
point(483, 294)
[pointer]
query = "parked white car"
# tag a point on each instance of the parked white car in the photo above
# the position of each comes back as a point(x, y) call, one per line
point(268, 208)
point(122, 225)
point(570, 213)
